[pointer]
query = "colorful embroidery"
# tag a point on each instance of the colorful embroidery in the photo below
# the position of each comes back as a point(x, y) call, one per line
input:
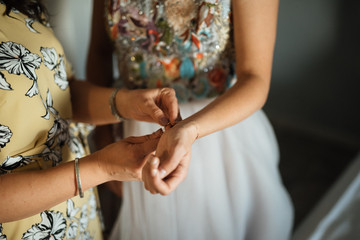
point(183, 44)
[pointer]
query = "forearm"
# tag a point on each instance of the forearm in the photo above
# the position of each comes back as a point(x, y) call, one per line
point(90, 103)
point(24, 194)
point(246, 97)
point(254, 25)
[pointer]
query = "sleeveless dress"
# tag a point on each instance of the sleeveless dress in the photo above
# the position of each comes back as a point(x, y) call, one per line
point(233, 189)
point(35, 128)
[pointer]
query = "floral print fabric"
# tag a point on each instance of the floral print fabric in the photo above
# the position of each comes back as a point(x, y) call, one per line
point(183, 44)
point(35, 127)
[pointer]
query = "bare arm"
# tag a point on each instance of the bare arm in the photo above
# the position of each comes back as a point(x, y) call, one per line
point(90, 104)
point(24, 194)
point(254, 35)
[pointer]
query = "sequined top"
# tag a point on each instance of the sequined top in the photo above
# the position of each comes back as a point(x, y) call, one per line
point(183, 44)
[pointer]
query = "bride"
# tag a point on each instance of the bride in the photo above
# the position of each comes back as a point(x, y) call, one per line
point(217, 56)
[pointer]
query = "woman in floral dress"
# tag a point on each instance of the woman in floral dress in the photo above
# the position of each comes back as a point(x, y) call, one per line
point(39, 181)
point(217, 55)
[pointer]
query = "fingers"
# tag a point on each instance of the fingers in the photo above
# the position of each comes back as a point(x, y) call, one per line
point(149, 171)
point(154, 165)
point(169, 104)
point(159, 106)
point(172, 124)
point(168, 185)
point(155, 135)
point(148, 146)
point(144, 144)
point(171, 160)
point(154, 183)
point(141, 139)
point(158, 114)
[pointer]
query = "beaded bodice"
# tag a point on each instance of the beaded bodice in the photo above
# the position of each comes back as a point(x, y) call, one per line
point(183, 44)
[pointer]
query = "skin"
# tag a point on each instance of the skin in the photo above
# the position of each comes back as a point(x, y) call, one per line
point(99, 69)
point(24, 194)
point(254, 37)
point(120, 161)
point(35, 190)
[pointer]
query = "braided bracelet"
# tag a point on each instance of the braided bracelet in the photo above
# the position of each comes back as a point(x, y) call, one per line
point(78, 180)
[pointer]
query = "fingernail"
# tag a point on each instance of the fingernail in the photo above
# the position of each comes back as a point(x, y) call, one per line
point(154, 172)
point(151, 158)
point(162, 173)
point(154, 161)
point(164, 121)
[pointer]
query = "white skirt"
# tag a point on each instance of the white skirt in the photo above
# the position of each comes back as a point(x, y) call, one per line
point(233, 189)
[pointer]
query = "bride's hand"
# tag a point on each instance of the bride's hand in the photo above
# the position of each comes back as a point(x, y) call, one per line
point(150, 105)
point(165, 171)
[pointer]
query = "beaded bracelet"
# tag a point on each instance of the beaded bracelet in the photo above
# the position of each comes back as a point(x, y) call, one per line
point(78, 180)
point(113, 108)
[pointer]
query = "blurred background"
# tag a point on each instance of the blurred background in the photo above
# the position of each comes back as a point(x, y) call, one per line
point(314, 98)
point(313, 101)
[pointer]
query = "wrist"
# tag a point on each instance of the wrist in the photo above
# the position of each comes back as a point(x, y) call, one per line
point(99, 165)
point(119, 103)
point(90, 172)
point(192, 128)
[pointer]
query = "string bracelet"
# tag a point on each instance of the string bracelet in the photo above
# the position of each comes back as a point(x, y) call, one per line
point(112, 104)
point(78, 180)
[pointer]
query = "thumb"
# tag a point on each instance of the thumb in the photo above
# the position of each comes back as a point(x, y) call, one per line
point(147, 146)
point(171, 160)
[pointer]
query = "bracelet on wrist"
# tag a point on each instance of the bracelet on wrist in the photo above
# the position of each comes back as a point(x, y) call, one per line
point(112, 104)
point(78, 180)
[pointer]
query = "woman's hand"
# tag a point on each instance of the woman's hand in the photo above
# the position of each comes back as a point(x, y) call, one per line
point(165, 171)
point(124, 160)
point(150, 105)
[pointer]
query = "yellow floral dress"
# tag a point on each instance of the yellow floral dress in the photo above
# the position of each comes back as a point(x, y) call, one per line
point(35, 128)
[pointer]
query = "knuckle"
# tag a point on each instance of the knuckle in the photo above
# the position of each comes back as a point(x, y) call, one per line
point(167, 91)
point(171, 91)
point(138, 174)
point(147, 103)
point(157, 111)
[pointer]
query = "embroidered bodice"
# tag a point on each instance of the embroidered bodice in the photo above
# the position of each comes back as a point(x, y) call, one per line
point(183, 44)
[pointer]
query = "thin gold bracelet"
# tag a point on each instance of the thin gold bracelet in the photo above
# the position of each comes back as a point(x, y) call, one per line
point(78, 180)
point(113, 108)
